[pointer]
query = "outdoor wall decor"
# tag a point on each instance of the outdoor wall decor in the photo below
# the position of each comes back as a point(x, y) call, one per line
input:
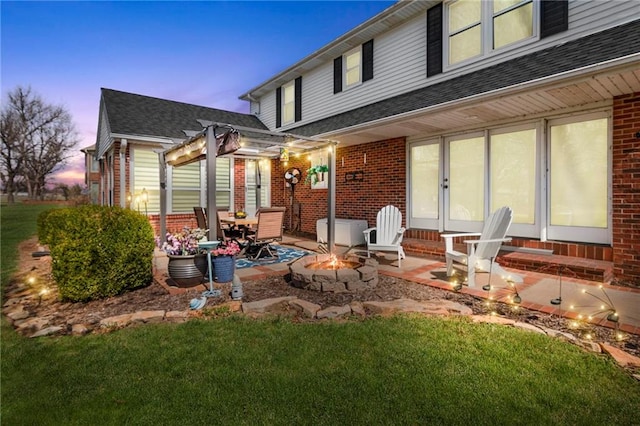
point(318, 174)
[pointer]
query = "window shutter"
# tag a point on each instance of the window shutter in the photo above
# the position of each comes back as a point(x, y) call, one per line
point(434, 40)
point(298, 99)
point(337, 75)
point(367, 60)
point(554, 17)
point(278, 107)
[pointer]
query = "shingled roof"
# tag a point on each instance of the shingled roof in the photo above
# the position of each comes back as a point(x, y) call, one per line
point(611, 44)
point(132, 114)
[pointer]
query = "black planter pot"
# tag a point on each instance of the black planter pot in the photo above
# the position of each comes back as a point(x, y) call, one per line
point(187, 271)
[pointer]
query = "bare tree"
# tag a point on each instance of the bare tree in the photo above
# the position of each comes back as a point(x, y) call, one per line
point(37, 138)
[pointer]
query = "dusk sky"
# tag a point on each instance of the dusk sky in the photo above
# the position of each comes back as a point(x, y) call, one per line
point(204, 53)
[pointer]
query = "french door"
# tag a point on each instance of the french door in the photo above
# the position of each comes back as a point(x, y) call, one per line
point(555, 175)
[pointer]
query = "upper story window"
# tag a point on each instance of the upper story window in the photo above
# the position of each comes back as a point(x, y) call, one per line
point(476, 28)
point(352, 65)
point(288, 103)
point(353, 68)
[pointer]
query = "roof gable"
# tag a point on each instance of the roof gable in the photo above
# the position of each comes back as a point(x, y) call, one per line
point(132, 114)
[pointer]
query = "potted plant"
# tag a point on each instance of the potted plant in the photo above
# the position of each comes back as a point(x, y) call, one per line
point(224, 260)
point(313, 171)
point(187, 263)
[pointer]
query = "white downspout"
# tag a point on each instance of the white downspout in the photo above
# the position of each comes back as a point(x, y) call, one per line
point(123, 177)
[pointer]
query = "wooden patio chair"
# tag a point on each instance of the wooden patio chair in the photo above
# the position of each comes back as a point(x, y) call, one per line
point(268, 230)
point(481, 252)
point(201, 217)
point(388, 233)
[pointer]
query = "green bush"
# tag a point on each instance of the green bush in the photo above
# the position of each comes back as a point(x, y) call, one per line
point(98, 251)
point(43, 229)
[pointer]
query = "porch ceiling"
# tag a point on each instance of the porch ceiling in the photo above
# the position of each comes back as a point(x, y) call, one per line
point(530, 101)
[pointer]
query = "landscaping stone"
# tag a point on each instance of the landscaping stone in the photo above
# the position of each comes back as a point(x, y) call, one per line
point(47, 331)
point(307, 309)
point(528, 327)
point(440, 307)
point(176, 316)
point(273, 305)
point(357, 309)
point(116, 321)
point(32, 324)
point(621, 357)
point(334, 312)
point(147, 316)
point(80, 329)
point(492, 319)
point(17, 312)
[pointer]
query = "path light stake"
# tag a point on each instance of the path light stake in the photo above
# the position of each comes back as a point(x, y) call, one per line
point(487, 287)
point(558, 300)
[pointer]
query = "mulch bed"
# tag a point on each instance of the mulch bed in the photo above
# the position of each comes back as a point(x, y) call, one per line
point(156, 297)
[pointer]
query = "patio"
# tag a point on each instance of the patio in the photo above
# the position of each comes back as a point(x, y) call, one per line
point(580, 299)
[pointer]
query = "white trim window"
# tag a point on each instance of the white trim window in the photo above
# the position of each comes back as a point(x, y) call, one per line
point(288, 103)
point(476, 28)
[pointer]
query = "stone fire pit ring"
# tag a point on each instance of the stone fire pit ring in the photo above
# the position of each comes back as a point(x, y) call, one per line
point(362, 276)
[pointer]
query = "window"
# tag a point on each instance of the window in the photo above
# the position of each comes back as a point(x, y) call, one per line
point(353, 68)
point(288, 103)
point(512, 21)
point(476, 28)
point(185, 192)
point(579, 166)
point(465, 30)
point(146, 176)
point(94, 164)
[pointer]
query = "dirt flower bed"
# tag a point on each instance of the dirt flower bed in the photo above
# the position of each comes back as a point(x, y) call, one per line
point(155, 297)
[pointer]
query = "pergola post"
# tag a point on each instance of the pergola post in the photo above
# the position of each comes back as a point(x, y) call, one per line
point(210, 163)
point(163, 195)
point(331, 199)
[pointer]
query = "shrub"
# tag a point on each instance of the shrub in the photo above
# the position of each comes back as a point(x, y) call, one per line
point(98, 251)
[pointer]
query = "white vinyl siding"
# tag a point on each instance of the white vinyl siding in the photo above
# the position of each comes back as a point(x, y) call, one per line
point(146, 176)
point(405, 44)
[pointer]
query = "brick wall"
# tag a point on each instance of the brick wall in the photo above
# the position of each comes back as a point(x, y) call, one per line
point(238, 184)
point(383, 182)
point(626, 189)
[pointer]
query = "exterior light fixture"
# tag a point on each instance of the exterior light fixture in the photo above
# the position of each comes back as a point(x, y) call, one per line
point(145, 200)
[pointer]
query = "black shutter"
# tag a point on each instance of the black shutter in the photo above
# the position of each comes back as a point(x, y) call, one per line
point(554, 17)
point(434, 40)
point(367, 60)
point(298, 99)
point(337, 75)
point(278, 107)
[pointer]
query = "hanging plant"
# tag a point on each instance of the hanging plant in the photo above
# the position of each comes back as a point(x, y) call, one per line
point(312, 173)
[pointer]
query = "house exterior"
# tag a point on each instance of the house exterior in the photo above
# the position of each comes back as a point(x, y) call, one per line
point(451, 109)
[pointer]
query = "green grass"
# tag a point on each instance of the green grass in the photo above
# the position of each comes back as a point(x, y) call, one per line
point(233, 370)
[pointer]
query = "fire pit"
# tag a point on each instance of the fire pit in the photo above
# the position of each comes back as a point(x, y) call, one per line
point(325, 272)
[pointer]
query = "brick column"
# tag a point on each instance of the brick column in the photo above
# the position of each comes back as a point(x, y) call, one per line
point(626, 189)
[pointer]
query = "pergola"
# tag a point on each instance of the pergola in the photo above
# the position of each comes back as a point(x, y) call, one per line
point(255, 144)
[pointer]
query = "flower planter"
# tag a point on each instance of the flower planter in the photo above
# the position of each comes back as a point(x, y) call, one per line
point(224, 268)
point(187, 271)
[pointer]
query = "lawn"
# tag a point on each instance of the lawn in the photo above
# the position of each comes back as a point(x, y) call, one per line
point(233, 370)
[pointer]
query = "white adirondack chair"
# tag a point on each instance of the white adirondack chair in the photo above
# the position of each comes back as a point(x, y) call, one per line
point(389, 233)
point(481, 253)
